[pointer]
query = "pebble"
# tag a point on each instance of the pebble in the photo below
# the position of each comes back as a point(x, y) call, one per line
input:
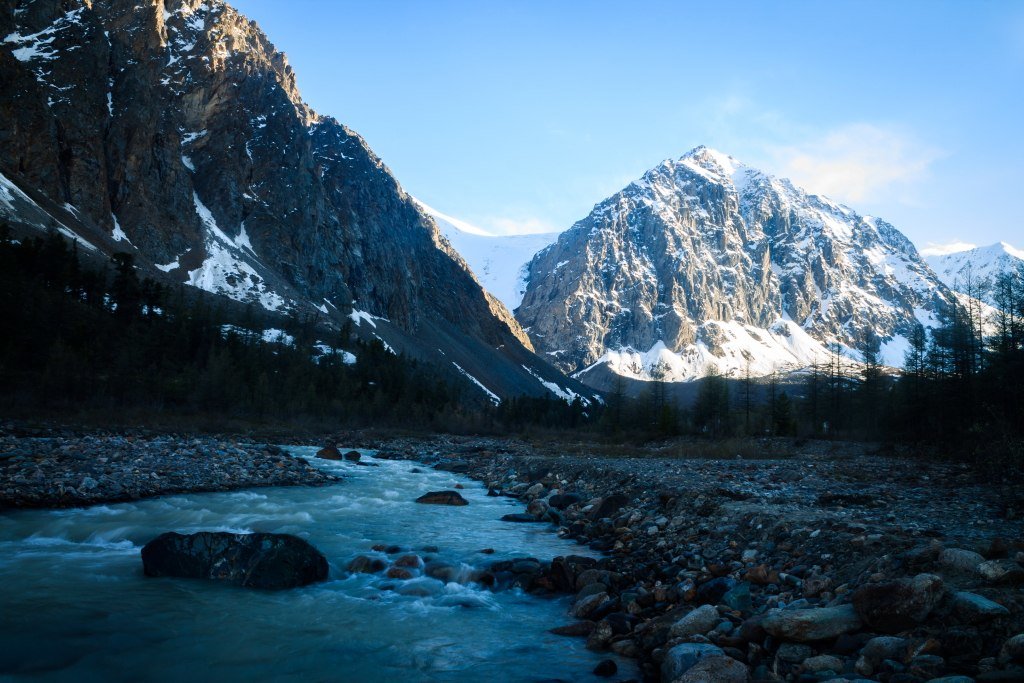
point(823, 663)
point(699, 621)
point(976, 609)
point(715, 669)
point(897, 605)
point(1002, 571)
point(960, 560)
point(804, 625)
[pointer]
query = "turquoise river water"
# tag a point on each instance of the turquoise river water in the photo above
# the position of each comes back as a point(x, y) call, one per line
point(75, 606)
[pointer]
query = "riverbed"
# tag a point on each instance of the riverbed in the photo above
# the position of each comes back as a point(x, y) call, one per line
point(76, 606)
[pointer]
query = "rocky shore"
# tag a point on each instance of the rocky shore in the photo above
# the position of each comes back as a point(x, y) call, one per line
point(833, 565)
point(74, 471)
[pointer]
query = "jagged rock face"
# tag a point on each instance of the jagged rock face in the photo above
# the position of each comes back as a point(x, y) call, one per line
point(706, 261)
point(175, 127)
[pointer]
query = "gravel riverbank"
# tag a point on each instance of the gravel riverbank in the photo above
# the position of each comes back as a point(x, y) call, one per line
point(832, 565)
point(74, 471)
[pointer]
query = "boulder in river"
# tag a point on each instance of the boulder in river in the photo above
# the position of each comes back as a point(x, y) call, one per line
point(399, 573)
point(520, 517)
point(353, 456)
point(261, 560)
point(442, 498)
point(329, 453)
point(365, 564)
point(538, 508)
point(605, 668)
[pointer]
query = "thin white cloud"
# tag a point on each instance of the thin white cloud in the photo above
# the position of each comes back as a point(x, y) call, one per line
point(856, 162)
point(938, 249)
point(852, 162)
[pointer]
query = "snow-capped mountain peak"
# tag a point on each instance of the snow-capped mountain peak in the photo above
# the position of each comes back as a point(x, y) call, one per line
point(713, 161)
point(712, 261)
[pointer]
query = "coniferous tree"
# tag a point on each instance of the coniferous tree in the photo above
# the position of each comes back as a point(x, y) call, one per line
point(711, 409)
point(782, 416)
point(871, 386)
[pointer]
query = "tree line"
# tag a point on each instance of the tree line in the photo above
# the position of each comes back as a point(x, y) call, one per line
point(87, 340)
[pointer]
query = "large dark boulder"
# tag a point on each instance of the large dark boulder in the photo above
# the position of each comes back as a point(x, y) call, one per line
point(442, 498)
point(895, 606)
point(561, 501)
point(271, 561)
point(608, 506)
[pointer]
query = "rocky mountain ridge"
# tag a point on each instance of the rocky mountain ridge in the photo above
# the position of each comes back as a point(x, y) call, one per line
point(708, 265)
point(173, 130)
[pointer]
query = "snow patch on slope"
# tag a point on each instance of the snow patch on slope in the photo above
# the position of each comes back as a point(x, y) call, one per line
point(224, 271)
point(11, 195)
point(564, 393)
point(359, 317)
point(490, 394)
point(118, 234)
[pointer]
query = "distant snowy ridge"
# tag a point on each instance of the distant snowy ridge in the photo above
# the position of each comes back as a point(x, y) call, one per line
point(977, 268)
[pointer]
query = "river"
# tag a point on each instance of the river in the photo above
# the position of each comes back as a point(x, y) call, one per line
point(75, 605)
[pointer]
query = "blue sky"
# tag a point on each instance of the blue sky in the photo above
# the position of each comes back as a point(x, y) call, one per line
point(520, 116)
